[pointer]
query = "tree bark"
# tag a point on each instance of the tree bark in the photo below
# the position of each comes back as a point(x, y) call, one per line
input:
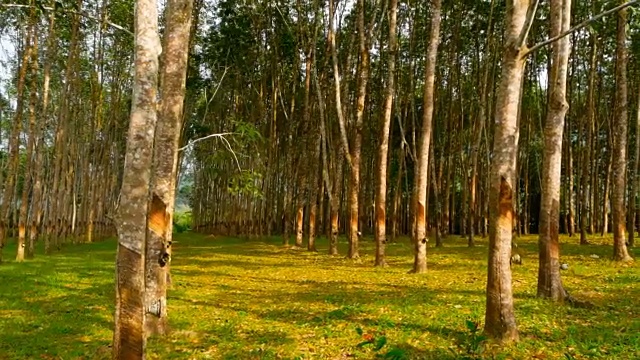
point(165, 163)
point(419, 235)
point(129, 341)
point(619, 132)
point(31, 141)
point(500, 321)
point(383, 149)
point(635, 180)
point(354, 170)
point(587, 186)
point(14, 143)
point(549, 281)
point(477, 137)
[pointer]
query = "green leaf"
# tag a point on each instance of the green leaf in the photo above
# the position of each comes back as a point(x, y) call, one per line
point(359, 331)
point(395, 354)
point(381, 342)
point(472, 326)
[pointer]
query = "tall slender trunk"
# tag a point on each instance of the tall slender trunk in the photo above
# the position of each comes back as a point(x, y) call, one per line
point(419, 235)
point(500, 321)
point(129, 340)
point(354, 170)
point(477, 137)
point(620, 135)
point(31, 141)
point(571, 198)
point(549, 282)
point(588, 187)
point(14, 142)
point(165, 164)
point(383, 149)
point(635, 180)
point(606, 198)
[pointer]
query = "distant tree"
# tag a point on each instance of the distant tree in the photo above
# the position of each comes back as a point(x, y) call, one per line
point(419, 235)
point(619, 134)
point(383, 150)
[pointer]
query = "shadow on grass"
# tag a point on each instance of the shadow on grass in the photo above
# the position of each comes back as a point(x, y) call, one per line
point(61, 306)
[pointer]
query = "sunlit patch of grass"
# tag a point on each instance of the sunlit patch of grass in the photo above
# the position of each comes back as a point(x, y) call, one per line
point(238, 298)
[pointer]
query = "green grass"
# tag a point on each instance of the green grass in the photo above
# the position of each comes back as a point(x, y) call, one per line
point(253, 299)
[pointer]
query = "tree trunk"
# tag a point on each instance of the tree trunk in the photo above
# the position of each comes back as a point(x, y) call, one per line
point(500, 321)
point(383, 149)
point(549, 282)
point(354, 170)
point(14, 144)
point(477, 137)
point(606, 202)
point(587, 186)
point(635, 180)
point(129, 341)
point(165, 164)
point(571, 198)
point(419, 235)
point(619, 132)
point(31, 141)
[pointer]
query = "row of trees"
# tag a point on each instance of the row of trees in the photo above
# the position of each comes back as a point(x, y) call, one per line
point(343, 116)
point(354, 104)
point(101, 152)
point(279, 113)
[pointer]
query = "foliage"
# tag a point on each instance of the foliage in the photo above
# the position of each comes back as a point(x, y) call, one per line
point(245, 182)
point(182, 221)
point(253, 299)
point(472, 345)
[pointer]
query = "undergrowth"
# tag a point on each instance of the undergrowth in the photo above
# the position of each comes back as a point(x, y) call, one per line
point(243, 299)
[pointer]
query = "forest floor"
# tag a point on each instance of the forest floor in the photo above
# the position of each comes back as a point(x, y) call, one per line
point(254, 299)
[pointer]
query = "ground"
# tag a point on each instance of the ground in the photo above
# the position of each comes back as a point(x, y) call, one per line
point(254, 299)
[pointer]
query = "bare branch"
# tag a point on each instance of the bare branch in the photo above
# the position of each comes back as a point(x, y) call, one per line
point(192, 142)
point(531, 14)
point(579, 26)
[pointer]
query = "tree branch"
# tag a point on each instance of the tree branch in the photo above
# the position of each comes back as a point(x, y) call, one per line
point(82, 13)
point(579, 26)
point(191, 142)
point(222, 137)
point(531, 14)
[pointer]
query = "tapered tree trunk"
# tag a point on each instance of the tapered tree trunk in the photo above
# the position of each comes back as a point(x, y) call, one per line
point(31, 141)
point(587, 186)
point(333, 187)
point(299, 223)
point(477, 137)
point(395, 220)
point(335, 202)
point(129, 340)
point(500, 321)
point(635, 180)
point(14, 143)
point(549, 282)
point(606, 202)
point(419, 235)
point(315, 195)
point(571, 198)
point(619, 132)
point(354, 169)
point(383, 149)
point(165, 164)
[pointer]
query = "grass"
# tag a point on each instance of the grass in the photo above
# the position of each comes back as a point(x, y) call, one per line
point(253, 299)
